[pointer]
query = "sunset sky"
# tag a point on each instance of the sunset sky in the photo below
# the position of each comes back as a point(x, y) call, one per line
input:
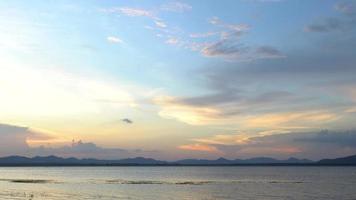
point(178, 79)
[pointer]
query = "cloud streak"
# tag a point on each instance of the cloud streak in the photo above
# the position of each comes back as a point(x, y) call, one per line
point(176, 6)
point(295, 144)
point(230, 45)
point(336, 24)
point(133, 12)
point(114, 39)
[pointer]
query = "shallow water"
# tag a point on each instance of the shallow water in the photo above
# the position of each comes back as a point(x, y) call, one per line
point(177, 183)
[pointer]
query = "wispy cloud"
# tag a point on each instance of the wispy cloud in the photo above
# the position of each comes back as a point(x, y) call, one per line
point(241, 112)
point(132, 12)
point(310, 144)
point(172, 41)
point(268, 52)
point(234, 50)
point(176, 6)
point(348, 8)
point(203, 35)
point(114, 39)
point(160, 24)
point(231, 47)
point(332, 24)
point(185, 113)
point(226, 49)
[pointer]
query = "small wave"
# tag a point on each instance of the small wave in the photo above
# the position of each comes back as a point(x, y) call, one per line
point(266, 181)
point(40, 181)
point(285, 182)
point(133, 182)
point(146, 182)
point(189, 182)
point(194, 182)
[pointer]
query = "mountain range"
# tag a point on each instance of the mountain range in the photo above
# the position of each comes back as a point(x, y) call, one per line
point(58, 161)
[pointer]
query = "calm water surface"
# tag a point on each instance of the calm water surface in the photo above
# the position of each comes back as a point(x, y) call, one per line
point(178, 183)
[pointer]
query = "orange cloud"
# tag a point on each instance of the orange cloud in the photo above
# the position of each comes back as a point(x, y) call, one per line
point(198, 147)
point(189, 114)
point(225, 139)
point(172, 108)
point(293, 119)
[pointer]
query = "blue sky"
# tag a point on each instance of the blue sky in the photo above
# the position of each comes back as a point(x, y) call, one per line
point(208, 78)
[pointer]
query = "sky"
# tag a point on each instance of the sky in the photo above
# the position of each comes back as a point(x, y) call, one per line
point(178, 79)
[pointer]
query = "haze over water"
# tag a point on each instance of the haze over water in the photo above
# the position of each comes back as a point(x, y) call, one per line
point(178, 183)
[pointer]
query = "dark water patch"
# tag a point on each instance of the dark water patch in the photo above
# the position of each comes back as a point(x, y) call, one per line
point(194, 182)
point(34, 181)
point(266, 181)
point(285, 182)
point(147, 182)
point(134, 182)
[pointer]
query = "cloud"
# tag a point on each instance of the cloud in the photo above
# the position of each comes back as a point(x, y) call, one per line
point(229, 31)
point(176, 6)
point(172, 41)
point(230, 45)
point(113, 39)
point(313, 145)
point(225, 49)
point(299, 87)
point(132, 12)
point(222, 139)
point(233, 50)
point(198, 147)
point(332, 24)
point(203, 35)
point(305, 119)
point(214, 20)
point(263, 112)
point(311, 68)
point(268, 52)
point(214, 99)
point(351, 110)
point(79, 149)
point(14, 140)
point(343, 139)
point(185, 113)
point(128, 121)
point(233, 27)
point(348, 8)
point(160, 24)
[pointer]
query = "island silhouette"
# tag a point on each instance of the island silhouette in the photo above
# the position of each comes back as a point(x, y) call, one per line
point(141, 161)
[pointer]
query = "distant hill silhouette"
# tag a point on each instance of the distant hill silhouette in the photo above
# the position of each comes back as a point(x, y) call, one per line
point(349, 160)
point(54, 160)
point(258, 160)
point(138, 161)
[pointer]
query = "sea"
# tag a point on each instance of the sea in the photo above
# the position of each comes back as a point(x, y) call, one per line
point(178, 183)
